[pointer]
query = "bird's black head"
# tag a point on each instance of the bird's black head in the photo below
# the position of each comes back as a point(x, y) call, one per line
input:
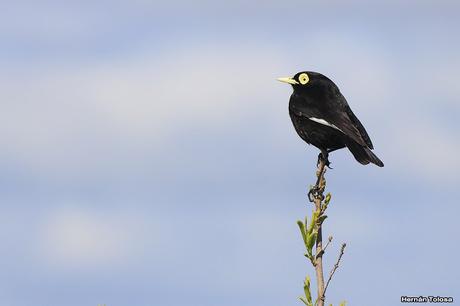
point(308, 80)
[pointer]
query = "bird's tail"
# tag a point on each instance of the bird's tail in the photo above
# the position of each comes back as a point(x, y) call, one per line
point(363, 154)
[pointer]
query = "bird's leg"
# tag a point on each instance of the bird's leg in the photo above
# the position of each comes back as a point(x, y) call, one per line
point(316, 191)
point(324, 156)
point(328, 163)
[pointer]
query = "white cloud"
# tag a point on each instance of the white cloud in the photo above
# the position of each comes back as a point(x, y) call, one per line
point(98, 116)
point(82, 239)
point(66, 118)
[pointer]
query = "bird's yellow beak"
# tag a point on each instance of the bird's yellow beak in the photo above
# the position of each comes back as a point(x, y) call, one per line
point(288, 80)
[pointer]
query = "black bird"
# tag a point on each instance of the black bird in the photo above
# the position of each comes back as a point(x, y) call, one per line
point(322, 117)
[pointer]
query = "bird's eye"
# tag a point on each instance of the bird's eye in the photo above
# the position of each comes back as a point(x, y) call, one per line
point(303, 78)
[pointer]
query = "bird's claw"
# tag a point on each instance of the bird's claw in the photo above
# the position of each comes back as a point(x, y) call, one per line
point(315, 193)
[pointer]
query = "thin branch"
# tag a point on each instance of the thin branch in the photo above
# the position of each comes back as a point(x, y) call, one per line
point(336, 266)
point(318, 197)
point(329, 240)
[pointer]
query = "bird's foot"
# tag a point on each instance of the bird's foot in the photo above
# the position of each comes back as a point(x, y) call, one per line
point(314, 193)
point(324, 158)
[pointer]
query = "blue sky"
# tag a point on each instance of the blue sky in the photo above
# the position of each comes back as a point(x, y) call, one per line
point(148, 157)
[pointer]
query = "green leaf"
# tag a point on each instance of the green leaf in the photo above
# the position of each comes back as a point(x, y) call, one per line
point(311, 239)
point(302, 231)
point(322, 218)
point(306, 289)
point(328, 198)
point(304, 301)
point(314, 216)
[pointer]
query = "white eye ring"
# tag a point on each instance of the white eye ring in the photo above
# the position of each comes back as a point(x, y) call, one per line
point(303, 78)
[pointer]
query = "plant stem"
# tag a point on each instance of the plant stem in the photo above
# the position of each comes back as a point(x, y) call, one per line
point(321, 183)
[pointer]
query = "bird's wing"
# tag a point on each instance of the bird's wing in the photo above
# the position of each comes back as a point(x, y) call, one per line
point(358, 125)
point(338, 116)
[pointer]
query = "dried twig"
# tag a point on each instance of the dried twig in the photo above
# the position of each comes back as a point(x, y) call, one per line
point(336, 266)
point(329, 240)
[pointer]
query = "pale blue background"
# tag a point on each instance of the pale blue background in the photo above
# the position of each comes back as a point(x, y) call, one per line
point(147, 156)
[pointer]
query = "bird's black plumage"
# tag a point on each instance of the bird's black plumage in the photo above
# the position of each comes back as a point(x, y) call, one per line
point(322, 117)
